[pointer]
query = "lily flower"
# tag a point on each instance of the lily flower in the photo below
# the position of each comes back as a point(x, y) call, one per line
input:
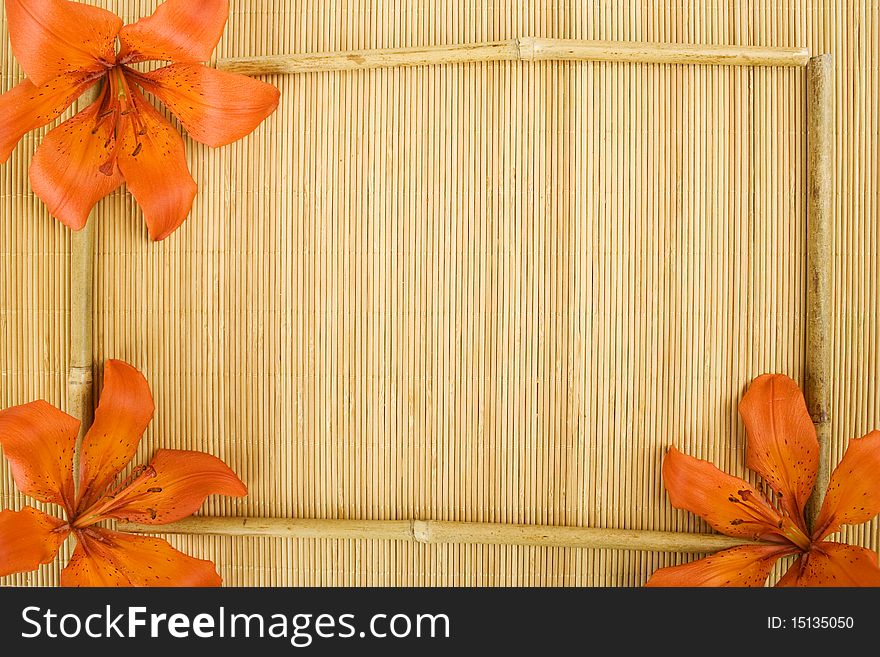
point(783, 449)
point(65, 48)
point(38, 441)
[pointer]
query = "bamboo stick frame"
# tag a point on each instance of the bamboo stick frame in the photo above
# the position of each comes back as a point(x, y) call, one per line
point(818, 312)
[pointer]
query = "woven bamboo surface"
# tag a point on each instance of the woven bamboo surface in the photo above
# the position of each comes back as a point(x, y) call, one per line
point(482, 292)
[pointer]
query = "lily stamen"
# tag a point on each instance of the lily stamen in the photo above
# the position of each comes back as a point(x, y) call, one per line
point(125, 483)
point(116, 498)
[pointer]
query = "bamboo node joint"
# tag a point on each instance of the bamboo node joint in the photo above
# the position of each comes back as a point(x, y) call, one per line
point(421, 532)
point(80, 375)
point(821, 417)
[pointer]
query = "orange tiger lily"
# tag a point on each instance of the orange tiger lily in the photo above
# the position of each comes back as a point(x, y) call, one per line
point(66, 48)
point(783, 449)
point(38, 441)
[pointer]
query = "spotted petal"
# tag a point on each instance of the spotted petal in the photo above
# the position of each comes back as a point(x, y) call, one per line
point(834, 564)
point(181, 482)
point(27, 107)
point(66, 172)
point(28, 538)
point(729, 504)
point(746, 565)
point(53, 37)
point(38, 441)
point(125, 408)
point(782, 445)
point(108, 558)
point(178, 31)
point(155, 170)
point(853, 494)
point(215, 107)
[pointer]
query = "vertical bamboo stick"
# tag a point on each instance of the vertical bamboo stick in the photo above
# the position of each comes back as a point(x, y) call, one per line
point(817, 385)
point(80, 381)
point(80, 393)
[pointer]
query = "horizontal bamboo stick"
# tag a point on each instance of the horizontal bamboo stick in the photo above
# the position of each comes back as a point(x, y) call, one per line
point(663, 53)
point(521, 49)
point(444, 531)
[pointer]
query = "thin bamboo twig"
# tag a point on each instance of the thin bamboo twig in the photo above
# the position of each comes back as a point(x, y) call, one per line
point(525, 49)
point(820, 144)
point(444, 531)
point(80, 381)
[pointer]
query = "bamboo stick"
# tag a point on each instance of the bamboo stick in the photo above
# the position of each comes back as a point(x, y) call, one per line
point(661, 53)
point(817, 384)
point(80, 381)
point(526, 49)
point(444, 531)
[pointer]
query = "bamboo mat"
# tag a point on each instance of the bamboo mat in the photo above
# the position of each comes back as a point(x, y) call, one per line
point(489, 292)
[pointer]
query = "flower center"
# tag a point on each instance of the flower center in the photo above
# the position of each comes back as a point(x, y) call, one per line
point(761, 514)
point(119, 109)
point(117, 497)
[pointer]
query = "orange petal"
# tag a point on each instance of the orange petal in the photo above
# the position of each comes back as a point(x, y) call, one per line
point(107, 558)
point(746, 565)
point(28, 538)
point(27, 107)
point(178, 31)
point(729, 504)
point(834, 564)
point(782, 445)
point(155, 170)
point(181, 483)
point(65, 172)
point(38, 441)
point(51, 37)
point(853, 494)
point(791, 575)
point(215, 107)
point(124, 411)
